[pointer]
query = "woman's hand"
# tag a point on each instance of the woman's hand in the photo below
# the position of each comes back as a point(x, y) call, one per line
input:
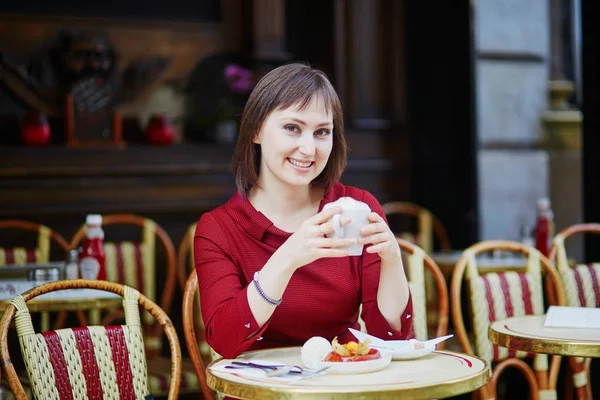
point(310, 242)
point(379, 235)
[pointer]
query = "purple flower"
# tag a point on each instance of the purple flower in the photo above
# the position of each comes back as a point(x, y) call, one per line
point(239, 79)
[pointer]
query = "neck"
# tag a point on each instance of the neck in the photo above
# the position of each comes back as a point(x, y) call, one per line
point(277, 200)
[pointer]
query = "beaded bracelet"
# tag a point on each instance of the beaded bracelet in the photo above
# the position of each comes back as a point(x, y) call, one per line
point(262, 293)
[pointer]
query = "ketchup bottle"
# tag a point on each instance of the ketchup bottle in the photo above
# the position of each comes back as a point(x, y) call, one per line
point(544, 226)
point(93, 259)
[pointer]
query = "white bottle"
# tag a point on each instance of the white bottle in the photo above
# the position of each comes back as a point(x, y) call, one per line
point(527, 238)
point(72, 265)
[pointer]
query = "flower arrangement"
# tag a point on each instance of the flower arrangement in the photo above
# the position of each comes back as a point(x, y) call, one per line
point(215, 98)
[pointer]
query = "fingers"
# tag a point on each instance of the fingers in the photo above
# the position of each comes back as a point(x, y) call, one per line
point(324, 216)
point(374, 227)
point(322, 253)
point(374, 217)
point(376, 238)
point(378, 248)
point(330, 242)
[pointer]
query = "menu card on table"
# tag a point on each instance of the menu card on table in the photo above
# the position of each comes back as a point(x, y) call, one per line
point(572, 317)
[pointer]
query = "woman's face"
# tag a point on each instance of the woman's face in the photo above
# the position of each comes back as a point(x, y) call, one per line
point(295, 144)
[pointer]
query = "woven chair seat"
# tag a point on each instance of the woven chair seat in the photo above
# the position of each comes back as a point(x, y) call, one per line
point(159, 376)
point(92, 362)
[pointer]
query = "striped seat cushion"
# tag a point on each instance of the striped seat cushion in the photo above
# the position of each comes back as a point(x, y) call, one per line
point(132, 264)
point(159, 376)
point(20, 256)
point(582, 285)
point(91, 362)
point(496, 296)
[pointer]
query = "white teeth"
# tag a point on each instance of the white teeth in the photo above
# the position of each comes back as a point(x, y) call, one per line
point(300, 164)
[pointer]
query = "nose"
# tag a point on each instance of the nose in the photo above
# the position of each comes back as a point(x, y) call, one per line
point(307, 145)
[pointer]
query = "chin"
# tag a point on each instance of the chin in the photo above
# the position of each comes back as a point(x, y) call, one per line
point(298, 181)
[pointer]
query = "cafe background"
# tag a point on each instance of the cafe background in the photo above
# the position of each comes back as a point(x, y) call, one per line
point(446, 106)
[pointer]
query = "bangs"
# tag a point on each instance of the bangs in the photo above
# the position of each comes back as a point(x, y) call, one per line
point(300, 91)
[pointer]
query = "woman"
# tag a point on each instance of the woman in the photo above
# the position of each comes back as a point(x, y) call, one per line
point(268, 274)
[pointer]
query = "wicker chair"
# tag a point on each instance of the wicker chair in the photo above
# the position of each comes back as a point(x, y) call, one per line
point(86, 362)
point(185, 266)
point(39, 254)
point(417, 263)
point(488, 295)
point(133, 263)
point(185, 256)
point(429, 225)
point(192, 329)
point(578, 283)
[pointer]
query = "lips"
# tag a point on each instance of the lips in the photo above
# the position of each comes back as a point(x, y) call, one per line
point(300, 164)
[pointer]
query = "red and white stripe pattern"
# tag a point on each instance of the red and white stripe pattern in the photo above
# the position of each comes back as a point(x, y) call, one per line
point(22, 255)
point(582, 283)
point(496, 296)
point(19, 256)
point(133, 264)
point(90, 362)
point(586, 279)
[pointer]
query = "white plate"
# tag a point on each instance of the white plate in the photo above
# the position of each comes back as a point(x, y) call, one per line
point(404, 350)
point(357, 367)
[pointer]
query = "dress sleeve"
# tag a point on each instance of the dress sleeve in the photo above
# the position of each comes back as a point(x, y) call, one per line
point(230, 326)
point(375, 322)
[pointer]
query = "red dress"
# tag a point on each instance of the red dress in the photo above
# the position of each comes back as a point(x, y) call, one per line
point(322, 298)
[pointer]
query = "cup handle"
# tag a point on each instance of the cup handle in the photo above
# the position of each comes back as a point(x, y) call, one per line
point(338, 230)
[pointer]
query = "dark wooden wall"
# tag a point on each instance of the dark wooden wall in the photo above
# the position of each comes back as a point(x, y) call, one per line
point(591, 127)
point(407, 102)
point(441, 107)
point(174, 185)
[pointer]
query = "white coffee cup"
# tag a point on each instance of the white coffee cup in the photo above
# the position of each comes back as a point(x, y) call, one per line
point(358, 212)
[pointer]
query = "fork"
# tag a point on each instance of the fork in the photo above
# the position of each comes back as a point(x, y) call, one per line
point(276, 370)
point(289, 369)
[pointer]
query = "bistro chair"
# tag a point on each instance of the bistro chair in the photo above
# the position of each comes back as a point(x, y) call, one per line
point(86, 362)
point(133, 263)
point(429, 226)
point(193, 329)
point(417, 263)
point(185, 266)
point(494, 296)
point(582, 289)
point(21, 255)
point(47, 240)
point(185, 256)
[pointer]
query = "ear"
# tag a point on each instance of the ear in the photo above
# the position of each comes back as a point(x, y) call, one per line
point(256, 139)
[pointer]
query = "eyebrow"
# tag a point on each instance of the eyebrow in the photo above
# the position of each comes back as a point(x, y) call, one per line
point(304, 123)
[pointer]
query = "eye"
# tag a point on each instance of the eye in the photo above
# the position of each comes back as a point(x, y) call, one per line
point(292, 128)
point(322, 132)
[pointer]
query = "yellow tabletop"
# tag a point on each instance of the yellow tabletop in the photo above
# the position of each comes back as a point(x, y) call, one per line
point(438, 375)
point(529, 334)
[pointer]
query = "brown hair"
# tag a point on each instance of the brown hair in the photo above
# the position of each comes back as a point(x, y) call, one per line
point(284, 87)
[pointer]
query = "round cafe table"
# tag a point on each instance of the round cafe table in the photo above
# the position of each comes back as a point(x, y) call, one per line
point(529, 334)
point(438, 375)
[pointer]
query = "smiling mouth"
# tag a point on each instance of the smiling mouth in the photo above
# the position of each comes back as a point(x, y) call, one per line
point(300, 164)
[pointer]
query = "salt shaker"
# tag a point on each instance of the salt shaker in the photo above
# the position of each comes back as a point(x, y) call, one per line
point(72, 265)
